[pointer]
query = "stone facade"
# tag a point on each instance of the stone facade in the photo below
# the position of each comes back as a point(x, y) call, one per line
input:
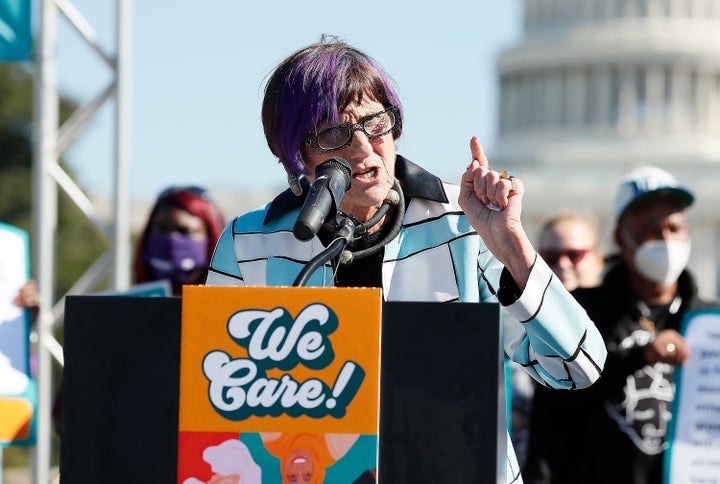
point(597, 87)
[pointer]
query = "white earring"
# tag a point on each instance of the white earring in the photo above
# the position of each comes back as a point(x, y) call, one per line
point(294, 183)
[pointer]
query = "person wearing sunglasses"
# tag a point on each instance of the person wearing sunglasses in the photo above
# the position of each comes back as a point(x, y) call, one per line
point(639, 307)
point(419, 238)
point(178, 238)
point(569, 244)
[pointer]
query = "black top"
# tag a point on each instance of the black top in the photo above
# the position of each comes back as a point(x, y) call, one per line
point(614, 430)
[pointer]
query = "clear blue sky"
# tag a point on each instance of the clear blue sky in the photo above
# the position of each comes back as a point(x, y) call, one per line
point(198, 70)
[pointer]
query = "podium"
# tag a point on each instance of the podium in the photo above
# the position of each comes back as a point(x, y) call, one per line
point(441, 402)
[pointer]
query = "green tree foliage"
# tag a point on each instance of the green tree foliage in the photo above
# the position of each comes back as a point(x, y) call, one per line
point(77, 243)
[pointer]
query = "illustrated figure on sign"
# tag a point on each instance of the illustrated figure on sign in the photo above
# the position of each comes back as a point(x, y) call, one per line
point(231, 463)
point(305, 457)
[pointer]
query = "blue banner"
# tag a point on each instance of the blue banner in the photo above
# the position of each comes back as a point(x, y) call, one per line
point(15, 30)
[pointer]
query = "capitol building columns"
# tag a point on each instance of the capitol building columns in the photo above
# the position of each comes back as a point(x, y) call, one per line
point(595, 88)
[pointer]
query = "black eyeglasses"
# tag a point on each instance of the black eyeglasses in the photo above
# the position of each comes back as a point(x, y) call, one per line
point(196, 190)
point(552, 257)
point(340, 136)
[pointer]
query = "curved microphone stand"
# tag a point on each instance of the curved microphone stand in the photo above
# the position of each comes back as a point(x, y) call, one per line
point(346, 226)
point(343, 236)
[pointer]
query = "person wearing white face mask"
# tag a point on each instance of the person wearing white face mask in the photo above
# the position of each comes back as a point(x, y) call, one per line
point(619, 424)
point(639, 309)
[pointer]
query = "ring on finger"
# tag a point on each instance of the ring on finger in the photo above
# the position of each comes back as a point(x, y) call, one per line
point(509, 175)
point(670, 348)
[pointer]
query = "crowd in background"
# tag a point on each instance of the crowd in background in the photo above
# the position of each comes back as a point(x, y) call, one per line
point(617, 430)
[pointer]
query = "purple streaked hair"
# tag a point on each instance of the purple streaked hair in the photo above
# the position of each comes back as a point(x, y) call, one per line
point(312, 86)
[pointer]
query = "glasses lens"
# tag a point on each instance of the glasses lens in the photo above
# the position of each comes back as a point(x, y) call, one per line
point(552, 257)
point(380, 124)
point(576, 256)
point(338, 137)
point(334, 137)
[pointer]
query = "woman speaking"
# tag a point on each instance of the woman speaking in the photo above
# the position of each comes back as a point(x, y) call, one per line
point(413, 235)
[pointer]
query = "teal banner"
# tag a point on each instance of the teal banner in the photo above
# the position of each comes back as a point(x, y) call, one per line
point(15, 30)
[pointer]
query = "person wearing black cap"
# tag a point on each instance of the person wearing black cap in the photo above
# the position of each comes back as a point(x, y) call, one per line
point(621, 422)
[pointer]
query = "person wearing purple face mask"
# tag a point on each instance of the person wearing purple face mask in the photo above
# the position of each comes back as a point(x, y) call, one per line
point(176, 244)
point(179, 237)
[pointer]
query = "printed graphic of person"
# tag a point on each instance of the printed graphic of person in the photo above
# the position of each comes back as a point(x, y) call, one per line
point(231, 463)
point(304, 457)
point(299, 467)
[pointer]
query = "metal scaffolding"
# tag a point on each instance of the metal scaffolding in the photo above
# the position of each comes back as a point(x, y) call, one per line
point(50, 142)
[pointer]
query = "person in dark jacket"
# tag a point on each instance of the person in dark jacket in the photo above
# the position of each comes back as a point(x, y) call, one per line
point(620, 423)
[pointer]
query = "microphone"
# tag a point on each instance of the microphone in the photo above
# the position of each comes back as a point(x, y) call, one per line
point(332, 180)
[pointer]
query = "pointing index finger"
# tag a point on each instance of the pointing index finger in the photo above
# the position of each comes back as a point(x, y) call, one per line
point(477, 152)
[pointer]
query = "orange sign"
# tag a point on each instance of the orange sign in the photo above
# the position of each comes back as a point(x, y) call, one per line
point(290, 370)
point(15, 418)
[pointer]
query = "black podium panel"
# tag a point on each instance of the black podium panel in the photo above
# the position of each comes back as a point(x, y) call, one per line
point(440, 386)
point(441, 403)
point(120, 390)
